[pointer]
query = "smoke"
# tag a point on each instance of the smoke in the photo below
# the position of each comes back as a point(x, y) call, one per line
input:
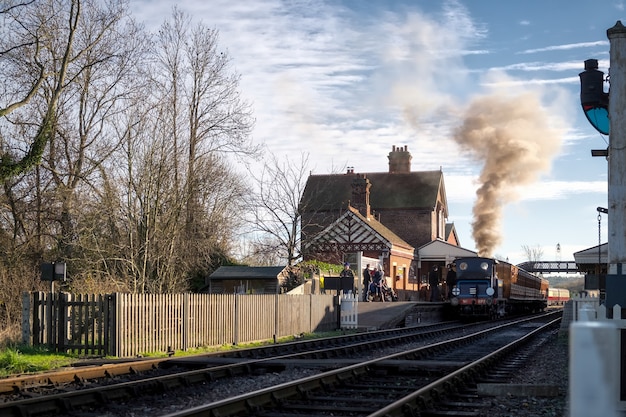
point(513, 138)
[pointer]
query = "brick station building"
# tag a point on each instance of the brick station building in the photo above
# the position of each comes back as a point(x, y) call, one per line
point(399, 217)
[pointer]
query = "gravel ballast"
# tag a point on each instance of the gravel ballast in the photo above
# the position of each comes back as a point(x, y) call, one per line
point(548, 366)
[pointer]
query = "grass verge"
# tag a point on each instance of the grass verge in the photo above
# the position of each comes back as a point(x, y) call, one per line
point(21, 359)
point(25, 359)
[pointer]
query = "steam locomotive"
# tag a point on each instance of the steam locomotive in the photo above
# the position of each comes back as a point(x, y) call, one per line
point(488, 288)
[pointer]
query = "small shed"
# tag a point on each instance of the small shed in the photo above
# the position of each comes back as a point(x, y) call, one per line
point(246, 280)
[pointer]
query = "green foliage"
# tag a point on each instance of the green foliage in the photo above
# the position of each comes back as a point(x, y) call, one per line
point(307, 270)
point(314, 267)
point(9, 167)
point(25, 359)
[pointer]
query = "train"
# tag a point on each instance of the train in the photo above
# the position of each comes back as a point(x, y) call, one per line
point(558, 296)
point(487, 288)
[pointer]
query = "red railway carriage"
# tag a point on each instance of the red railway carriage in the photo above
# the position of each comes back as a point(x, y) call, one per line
point(490, 288)
point(558, 296)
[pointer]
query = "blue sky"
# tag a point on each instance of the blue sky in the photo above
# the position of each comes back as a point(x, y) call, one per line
point(344, 81)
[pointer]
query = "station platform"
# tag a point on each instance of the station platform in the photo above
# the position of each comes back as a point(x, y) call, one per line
point(388, 315)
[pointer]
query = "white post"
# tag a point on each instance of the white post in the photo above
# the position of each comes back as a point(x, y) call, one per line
point(349, 311)
point(593, 368)
point(615, 285)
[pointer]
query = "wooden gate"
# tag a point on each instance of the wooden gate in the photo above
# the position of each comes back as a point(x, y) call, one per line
point(75, 323)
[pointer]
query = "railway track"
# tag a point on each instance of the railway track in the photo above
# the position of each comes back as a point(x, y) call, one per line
point(411, 383)
point(107, 369)
point(319, 354)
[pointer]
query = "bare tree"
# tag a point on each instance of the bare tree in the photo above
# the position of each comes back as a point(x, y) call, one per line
point(28, 64)
point(90, 57)
point(276, 221)
point(131, 143)
point(533, 254)
point(208, 116)
point(182, 198)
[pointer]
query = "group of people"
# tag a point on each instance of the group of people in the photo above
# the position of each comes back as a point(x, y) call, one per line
point(375, 285)
point(434, 281)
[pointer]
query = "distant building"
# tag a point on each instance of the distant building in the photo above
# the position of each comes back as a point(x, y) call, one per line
point(246, 280)
point(385, 215)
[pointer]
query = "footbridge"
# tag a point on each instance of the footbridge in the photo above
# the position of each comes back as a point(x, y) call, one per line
point(547, 267)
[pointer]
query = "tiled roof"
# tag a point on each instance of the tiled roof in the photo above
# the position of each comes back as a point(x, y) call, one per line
point(247, 272)
point(388, 191)
point(380, 228)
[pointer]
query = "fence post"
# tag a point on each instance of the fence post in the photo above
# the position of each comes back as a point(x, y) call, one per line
point(112, 331)
point(276, 317)
point(311, 309)
point(236, 321)
point(38, 314)
point(50, 320)
point(185, 341)
point(26, 329)
point(62, 320)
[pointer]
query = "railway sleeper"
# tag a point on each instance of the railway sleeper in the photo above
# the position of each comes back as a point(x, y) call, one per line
point(353, 407)
point(450, 413)
point(446, 405)
point(377, 387)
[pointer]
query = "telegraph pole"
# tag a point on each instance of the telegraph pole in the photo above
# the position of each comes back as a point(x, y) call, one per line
point(604, 393)
point(616, 277)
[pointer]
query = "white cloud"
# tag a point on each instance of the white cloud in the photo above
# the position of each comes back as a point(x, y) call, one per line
point(566, 47)
point(346, 86)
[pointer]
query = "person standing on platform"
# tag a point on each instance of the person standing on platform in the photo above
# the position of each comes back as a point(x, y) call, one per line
point(346, 275)
point(433, 281)
point(377, 281)
point(367, 278)
point(450, 279)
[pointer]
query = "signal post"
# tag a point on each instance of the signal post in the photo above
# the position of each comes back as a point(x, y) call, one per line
point(616, 277)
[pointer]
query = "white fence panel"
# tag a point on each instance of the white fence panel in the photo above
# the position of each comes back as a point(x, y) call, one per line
point(349, 311)
point(582, 303)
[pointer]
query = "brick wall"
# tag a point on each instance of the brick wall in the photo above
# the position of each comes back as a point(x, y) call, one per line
point(414, 227)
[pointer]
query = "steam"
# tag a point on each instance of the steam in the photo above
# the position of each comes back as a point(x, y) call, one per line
point(513, 139)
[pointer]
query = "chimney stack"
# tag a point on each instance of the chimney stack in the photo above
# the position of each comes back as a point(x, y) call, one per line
point(361, 195)
point(399, 160)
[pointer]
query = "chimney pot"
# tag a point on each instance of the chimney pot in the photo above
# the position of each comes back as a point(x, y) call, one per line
point(399, 160)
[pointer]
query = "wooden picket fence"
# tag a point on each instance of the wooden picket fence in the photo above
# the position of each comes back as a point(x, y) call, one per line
point(127, 325)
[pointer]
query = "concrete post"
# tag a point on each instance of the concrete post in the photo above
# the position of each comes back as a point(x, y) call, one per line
point(593, 368)
point(616, 278)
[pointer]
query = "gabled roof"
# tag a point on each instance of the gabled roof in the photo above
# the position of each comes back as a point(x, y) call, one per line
point(354, 229)
point(438, 249)
point(590, 255)
point(381, 229)
point(247, 272)
point(451, 229)
point(412, 190)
